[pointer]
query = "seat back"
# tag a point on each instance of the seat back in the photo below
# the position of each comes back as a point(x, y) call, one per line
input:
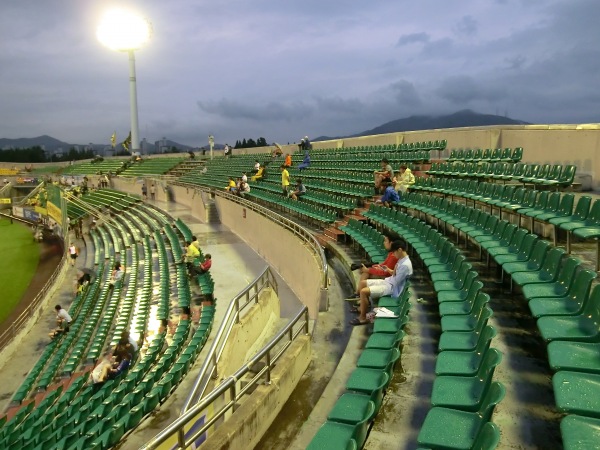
point(518, 170)
point(468, 154)
point(566, 275)
point(531, 170)
point(485, 338)
point(526, 247)
point(582, 209)
point(591, 305)
point(593, 218)
point(474, 287)
point(487, 154)
point(555, 172)
point(517, 239)
point(580, 288)
point(538, 254)
point(496, 153)
point(491, 359)
point(529, 198)
point(543, 171)
point(517, 154)
point(518, 196)
point(553, 202)
point(508, 193)
point(491, 223)
point(542, 200)
point(552, 262)
point(568, 175)
point(481, 300)
point(483, 320)
point(457, 264)
point(494, 396)
point(488, 437)
point(507, 234)
point(566, 205)
point(477, 154)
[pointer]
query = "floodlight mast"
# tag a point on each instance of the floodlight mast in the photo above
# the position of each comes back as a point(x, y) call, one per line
point(124, 31)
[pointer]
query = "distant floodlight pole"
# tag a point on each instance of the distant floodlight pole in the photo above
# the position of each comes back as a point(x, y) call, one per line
point(125, 31)
point(211, 144)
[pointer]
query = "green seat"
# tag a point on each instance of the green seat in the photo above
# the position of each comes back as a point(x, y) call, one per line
point(565, 209)
point(582, 209)
point(466, 392)
point(452, 362)
point(371, 382)
point(454, 285)
point(533, 263)
point(467, 307)
point(574, 356)
point(582, 327)
point(472, 286)
point(568, 305)
point(450, 273)
point(464, 340)
point(338, 436)
point(577, 393)
point(466, 322)
point(558, 288)
point(580, 433)
point(385, 340)
point(523, 253)
point(379, 359)
point(446, 428)
point(352, 408)
point(548, 273)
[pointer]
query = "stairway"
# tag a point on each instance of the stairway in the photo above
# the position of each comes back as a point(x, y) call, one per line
point(212, 214)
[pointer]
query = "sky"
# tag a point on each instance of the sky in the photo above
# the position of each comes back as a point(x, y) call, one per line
point(285, 69)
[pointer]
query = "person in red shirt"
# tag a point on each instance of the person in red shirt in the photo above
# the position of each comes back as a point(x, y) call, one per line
point(203, 267)
point(382, 270)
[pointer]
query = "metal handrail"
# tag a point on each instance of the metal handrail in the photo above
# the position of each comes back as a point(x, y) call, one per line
point(208, 370)
point(230, 385)
point(300, 231)
point(34, 307)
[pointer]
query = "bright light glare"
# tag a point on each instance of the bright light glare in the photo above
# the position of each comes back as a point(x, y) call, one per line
point(122, 30)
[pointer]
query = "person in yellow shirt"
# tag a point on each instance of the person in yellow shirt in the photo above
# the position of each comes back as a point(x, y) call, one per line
point(285, 180)
point(258, 175)
point(191, 253)
point(231, 186)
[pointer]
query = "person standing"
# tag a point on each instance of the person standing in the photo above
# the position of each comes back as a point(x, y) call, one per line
point(73, 253)
point(152, 191)
point(285, 180)
point(144, 191)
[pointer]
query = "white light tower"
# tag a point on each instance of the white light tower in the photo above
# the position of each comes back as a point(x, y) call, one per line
point(125, 31)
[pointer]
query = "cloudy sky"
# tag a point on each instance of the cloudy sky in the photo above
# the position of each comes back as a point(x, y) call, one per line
point(284, 69)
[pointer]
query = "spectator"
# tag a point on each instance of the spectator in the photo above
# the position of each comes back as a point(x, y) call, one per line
point(107, 361)
point(152, 191)
point(383, 176)
point(371, 270)
point(288, 160)
point(307, 144)
point(82, 281)
point(73, 253)
point(392, 285)
point(190, 256)
point(115, 276)
point(256, 166)
point(231, 186)
point(226, 151)
point(301, 145)
point(259, 174)
point(389, 196)
point(144, 191)
point(403, 180)
point(285, 180)
point(299, 191)
point(195, 242)
point(305, 162)
point(111, 371)
point(244, 189)
point(203, 267)
point(62, 314)
point(244, 177)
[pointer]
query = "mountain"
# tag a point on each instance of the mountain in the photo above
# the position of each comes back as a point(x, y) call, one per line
point(49, 143)
point(463, 118)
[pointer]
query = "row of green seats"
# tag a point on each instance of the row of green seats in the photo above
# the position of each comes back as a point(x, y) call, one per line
point(488, 155)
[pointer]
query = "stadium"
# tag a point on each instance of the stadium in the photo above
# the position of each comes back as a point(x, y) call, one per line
point(491, 343)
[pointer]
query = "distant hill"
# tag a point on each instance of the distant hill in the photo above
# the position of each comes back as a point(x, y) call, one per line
point(464, 118)
point(48, 142)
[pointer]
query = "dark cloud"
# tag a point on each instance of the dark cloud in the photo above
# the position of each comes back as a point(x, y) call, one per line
point(406, 94)
point(340, 105)
point(413, 38)
point(466, 26)
point(463, 89)
point(515, 62)
point(272, 111)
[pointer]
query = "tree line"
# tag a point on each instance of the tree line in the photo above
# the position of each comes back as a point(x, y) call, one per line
point(260, 142)
point(36, 154)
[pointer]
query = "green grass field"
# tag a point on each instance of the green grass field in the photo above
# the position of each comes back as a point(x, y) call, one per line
point(19, 257)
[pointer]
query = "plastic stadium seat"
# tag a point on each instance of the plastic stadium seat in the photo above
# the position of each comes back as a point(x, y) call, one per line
point(558, 288)
point(583, 327)
point(579, 433)
point(466, 392)
point(548, 272)
point(446, 428)
point(577, 393)
point(570, 304)
point(464, 340)
point(574, 356)
point(370, 382)
point(465, 363)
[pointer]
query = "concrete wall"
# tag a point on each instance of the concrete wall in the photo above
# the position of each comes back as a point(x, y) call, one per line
point(282, 249)
point(254, 417)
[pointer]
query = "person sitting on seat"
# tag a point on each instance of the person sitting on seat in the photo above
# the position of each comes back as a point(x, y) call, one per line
point(288, 160)
point(61, 328)
point(259, 174)
point(191, 253)
point(403, 180)
point(299, 191)
point(374, 270)
point(384, 176)
point(231, 186)
point(243, 189)
point(116, 276)
point(204, 266)
point(392, 285)
point(389, 196)
point(111, 371)
point(305, 162)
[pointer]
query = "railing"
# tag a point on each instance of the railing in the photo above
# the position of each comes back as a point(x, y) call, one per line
point(292, 226)
point(269, 355)
point(32, 309)
point(248, 296)
point(20, 201)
